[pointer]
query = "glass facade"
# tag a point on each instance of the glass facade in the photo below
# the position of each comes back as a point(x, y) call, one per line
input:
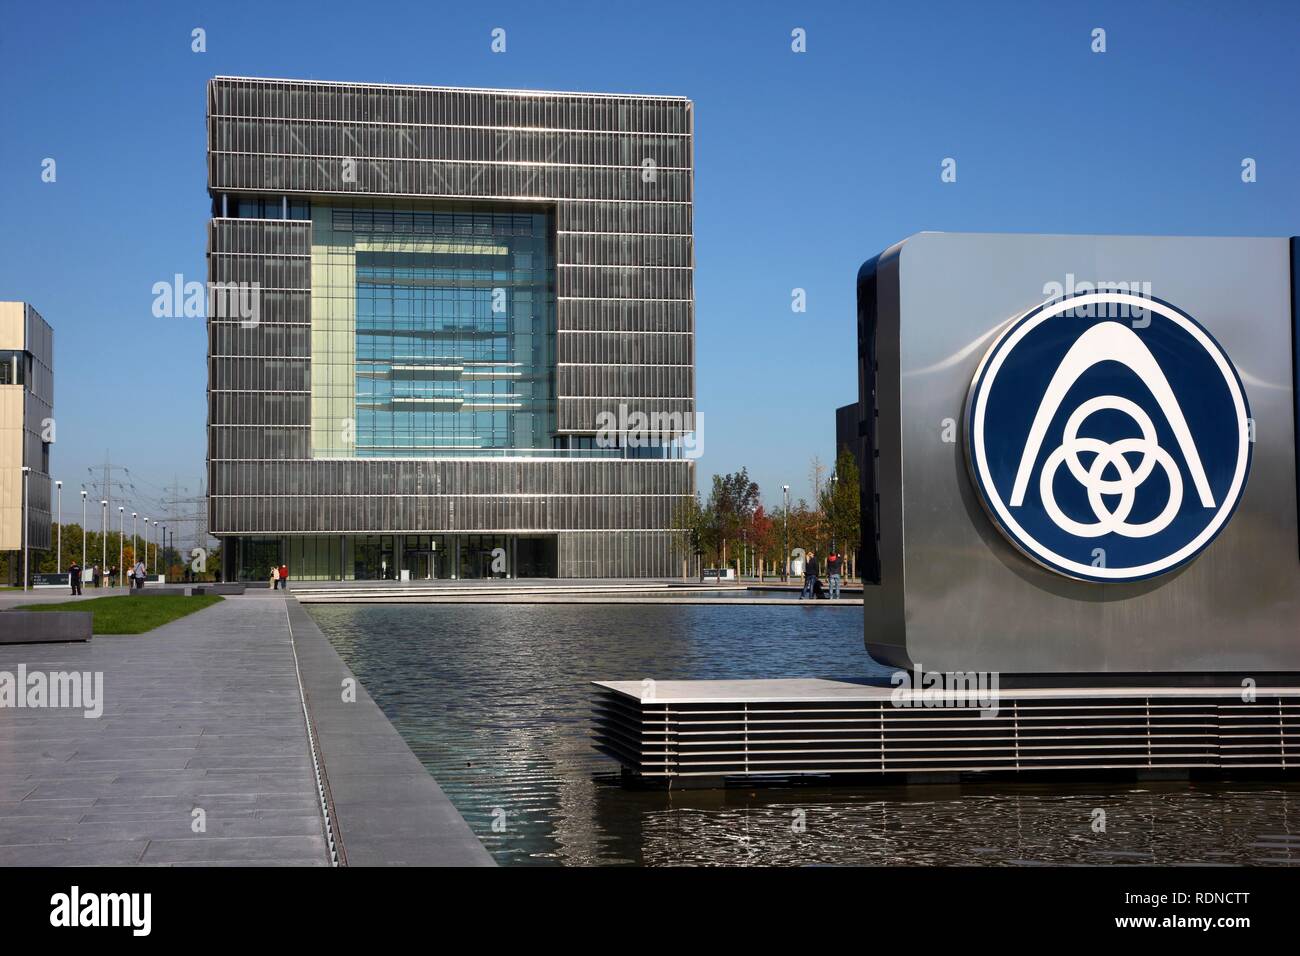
point(13, 367)
point(262, 207)
point(452, 330)
point(395, 557)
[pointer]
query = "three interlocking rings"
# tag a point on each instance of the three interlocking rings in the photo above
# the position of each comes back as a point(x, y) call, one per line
point(1111, 455)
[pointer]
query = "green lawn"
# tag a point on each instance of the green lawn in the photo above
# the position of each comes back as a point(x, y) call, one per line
point(132, 615)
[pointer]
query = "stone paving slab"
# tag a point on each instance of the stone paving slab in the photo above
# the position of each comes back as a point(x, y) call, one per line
point(206, 712)
point(258, 850)
point(203, 712)
point(124, 853)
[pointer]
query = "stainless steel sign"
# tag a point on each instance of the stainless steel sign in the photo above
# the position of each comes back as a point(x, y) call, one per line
point(1108, 435)
point(1074, 474)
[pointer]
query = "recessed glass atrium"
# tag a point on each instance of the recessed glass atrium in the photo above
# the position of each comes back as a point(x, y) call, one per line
point(433, 331)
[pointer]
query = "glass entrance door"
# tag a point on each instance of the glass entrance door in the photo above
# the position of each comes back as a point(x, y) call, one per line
point(423, 565)
point(426, 557)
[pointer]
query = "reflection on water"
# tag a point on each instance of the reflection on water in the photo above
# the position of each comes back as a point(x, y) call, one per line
point(495, 701)
point(1004, 825)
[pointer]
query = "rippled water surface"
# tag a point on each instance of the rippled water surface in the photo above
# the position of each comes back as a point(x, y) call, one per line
point(495, 700)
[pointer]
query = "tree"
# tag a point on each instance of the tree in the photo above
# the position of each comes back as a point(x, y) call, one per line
point(690, 524)
point(841, 506)
point(731, 505)
point(765, 538)
point(773, 545)
point(804, 527)
point(816, 472)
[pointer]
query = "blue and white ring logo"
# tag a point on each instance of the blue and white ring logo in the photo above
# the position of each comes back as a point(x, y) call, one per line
point(1103, 449)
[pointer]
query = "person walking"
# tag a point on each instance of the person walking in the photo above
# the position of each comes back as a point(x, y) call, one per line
point(137, 574)
point(834, 563)
point(275, 578)
point(74, 577)
point(284, 577)
point(94, 575)
point(809, 576)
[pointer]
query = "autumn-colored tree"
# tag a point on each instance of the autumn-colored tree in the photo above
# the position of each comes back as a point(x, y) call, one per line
point(765, 537)
point(805, 526)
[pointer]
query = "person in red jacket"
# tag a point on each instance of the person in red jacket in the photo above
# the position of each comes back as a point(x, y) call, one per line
point(284, 577)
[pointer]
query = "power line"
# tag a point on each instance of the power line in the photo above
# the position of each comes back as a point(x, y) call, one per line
point(170, 506)
point(187, 514)
point(108, 487)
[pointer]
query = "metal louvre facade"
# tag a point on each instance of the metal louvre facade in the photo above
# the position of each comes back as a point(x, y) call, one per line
point(1031, 731)
point(614, 176)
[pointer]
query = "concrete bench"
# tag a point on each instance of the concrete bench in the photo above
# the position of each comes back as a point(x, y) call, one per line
point(44, 627)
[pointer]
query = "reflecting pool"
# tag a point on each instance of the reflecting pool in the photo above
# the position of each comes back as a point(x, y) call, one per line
point(495, 701)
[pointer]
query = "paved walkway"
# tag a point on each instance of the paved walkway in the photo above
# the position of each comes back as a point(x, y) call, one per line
point(10, 599)
point(205, 714)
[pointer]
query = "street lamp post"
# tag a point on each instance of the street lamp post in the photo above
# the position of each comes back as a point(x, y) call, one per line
point(832, 505)
point(27, 470)
point(785, 562)
point(161, 556)
point(103, 540)
point(83, 528)
point(135, 548)
point(121, 542)
point(146, 545)
point(58, 551)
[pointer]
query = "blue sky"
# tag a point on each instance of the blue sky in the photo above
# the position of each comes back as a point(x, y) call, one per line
point(807, 164)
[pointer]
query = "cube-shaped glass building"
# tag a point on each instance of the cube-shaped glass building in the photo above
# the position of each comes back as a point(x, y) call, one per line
point(450, 331)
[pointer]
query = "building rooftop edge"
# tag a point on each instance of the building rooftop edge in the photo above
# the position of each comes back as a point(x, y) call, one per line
point(455, 89)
